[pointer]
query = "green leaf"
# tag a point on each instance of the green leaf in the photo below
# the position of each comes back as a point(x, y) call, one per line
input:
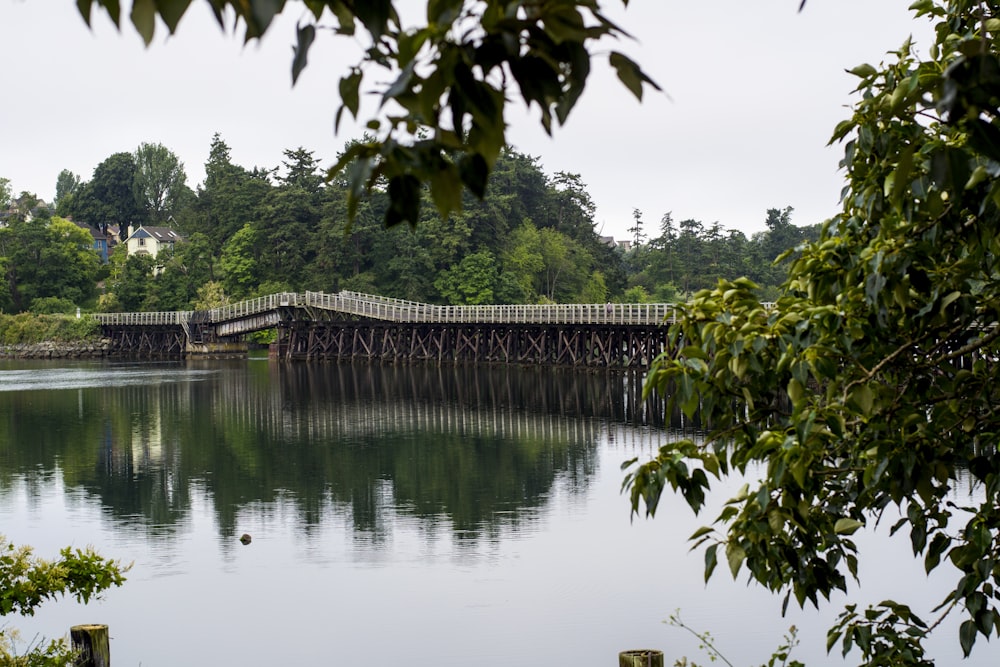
point(84, 7)
point(259, 18)
point(742, 494)
point(630, 74)
point(704, 530)
point(443, 12)
point(693, 352)
point(350, 96)
point(537, 79)
point(967, 636)
point(401, 84)
point(735, 555)
point(863, 71)
point(861, 399)
point(795, 391)
point(446, 190)
point(985, 138)
point(404, 200)
point(846, 526)
point(711, 560)
point(305, 34)
point(171, 12)
point(474, 172)
point(565, 24)
point(375, 15)
point(144, 19)
point(345, 17)
point(113, 7)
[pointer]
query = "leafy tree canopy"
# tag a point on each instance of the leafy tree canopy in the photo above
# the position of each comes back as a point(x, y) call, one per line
point(872, 386)
point(5, 193)
point(159, 182)
point(441, 122)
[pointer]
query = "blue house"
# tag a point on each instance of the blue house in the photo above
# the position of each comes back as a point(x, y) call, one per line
point(101, 242)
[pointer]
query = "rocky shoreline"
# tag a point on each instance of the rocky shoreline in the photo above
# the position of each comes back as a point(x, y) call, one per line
point(99, 349)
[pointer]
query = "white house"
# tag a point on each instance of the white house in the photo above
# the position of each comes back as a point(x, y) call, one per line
point(151, 240)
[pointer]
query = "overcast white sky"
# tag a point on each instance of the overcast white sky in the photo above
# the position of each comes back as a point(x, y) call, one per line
point(755, 89)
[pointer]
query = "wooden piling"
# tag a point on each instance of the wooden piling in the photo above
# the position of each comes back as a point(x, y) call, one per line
point(93, 644)
point(640, 658)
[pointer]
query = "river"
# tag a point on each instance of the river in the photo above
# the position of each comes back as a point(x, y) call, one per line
point(399, 515)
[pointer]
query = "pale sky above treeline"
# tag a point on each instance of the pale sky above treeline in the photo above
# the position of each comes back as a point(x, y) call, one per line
point(752, 92)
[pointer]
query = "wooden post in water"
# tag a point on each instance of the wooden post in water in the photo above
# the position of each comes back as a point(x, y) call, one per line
point(640, 658)
point(93, 644)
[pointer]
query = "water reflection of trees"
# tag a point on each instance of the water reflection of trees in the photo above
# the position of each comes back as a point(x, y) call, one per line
point(480, 447)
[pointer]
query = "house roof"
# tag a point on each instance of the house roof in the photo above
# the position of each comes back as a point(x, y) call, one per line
point(161, 234)
point(96, 233)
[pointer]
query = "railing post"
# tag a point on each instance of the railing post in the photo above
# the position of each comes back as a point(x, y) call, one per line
point(93, 645)
point(640, 658)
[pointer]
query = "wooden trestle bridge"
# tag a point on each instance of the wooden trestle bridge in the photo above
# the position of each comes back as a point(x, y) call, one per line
point(353, 326)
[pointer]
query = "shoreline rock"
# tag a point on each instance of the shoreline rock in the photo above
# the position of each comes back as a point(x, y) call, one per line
point(53, 350)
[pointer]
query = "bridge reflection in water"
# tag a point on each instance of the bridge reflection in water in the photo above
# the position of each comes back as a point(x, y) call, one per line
point(480, 449)
point(353, 326)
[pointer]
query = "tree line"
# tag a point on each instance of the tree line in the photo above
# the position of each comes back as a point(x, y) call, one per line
point(247, 232)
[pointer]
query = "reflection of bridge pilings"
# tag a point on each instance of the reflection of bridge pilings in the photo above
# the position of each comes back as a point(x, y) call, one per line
point(478, 447)
point(373, 440)
point(498, 400)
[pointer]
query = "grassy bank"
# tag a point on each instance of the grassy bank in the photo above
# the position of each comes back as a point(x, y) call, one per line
point(29, 328)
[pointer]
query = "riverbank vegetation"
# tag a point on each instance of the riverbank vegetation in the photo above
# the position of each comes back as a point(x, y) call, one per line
point(32, 328)
point(250, 232)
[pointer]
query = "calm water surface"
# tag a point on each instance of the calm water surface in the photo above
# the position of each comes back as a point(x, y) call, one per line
point(399, 516)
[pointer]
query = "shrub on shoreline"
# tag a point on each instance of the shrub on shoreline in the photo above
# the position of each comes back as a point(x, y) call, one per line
point(29, 328)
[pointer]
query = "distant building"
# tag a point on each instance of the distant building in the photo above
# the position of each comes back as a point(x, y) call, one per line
point(27, 207)
point(612, 243)
point(101, 241)
point(151, 240)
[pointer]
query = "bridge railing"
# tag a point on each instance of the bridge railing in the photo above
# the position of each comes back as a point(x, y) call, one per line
point(400, 310)
point(388, 308)
point(160, 318)
point(235, 311)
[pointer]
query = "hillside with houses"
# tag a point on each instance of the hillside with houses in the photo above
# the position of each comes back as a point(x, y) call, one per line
point(135, 236)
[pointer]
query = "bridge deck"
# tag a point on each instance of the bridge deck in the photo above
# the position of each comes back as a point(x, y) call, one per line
point(367, 306)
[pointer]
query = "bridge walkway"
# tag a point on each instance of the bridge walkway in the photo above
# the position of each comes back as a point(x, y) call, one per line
point(352, 325)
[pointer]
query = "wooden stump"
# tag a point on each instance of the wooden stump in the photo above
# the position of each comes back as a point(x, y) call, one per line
point(93, 644)
point(640, 658)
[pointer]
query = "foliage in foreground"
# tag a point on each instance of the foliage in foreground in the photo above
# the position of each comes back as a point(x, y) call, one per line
point(873, 384)
point(441, 122)
point(781, 657)
point(27, 581)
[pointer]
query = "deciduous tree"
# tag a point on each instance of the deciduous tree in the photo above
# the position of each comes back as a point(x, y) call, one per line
point(108, 197)
point(160, 183)
point(46, 258)
point(66, 183)
point(872, 386)
point(5, 194)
